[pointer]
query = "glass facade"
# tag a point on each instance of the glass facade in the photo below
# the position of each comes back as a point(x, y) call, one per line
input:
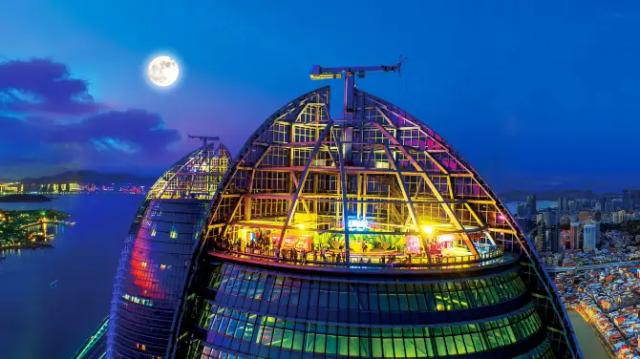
point(154, 264)
point(371, 301)
point(151, 278)
point(258, 313)
point(271, 336)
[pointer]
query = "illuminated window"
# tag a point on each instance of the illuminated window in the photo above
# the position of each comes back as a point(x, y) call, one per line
point(141, 347)
point(137, 300)
point(173, 234)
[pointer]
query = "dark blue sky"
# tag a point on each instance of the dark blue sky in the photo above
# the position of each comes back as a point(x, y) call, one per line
point(534, 94)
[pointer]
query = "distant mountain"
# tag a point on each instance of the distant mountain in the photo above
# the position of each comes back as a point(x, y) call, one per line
point(519, 195)
point(85, 177)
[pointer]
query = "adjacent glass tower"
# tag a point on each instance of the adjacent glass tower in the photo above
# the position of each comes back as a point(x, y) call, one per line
point(363, 237)
point(152, 274)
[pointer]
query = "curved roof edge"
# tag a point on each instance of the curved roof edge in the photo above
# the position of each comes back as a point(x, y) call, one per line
point(525, 244)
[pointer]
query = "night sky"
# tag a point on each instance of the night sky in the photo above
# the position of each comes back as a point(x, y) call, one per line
point(534, 94)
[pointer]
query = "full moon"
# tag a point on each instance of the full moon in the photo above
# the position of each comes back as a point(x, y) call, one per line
point(163, 71)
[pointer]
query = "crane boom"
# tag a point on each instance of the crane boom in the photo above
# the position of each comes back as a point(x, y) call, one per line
point(348, 73)
point(322, 73)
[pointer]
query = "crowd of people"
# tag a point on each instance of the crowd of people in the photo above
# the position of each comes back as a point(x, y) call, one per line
point(268, 251)
point(327, 256)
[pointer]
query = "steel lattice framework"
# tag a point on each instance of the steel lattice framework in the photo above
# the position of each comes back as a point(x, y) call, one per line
point(302, 171)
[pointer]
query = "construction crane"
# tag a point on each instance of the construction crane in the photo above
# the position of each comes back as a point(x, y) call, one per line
point(348, 73)
point(205, 139)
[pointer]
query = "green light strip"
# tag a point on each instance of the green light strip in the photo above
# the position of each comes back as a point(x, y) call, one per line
point(93, 340)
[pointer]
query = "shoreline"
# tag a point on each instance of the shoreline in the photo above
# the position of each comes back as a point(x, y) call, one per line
point(25, 246)
point(24, 198)
point(609, 348)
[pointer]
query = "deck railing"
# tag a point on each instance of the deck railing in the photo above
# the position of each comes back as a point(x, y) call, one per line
point(384, 259)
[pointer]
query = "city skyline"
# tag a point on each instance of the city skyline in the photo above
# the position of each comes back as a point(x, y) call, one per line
point(553, 85)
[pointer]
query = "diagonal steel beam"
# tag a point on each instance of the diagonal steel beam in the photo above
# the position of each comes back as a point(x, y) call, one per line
point(294, 107)
point(295, 183)
point(479, 220)
point(296, 112)
point(302, 180)
point(448, 210)
point(249, 189)
point(403, 188)
point(433, 159)
point(420, 127)
point(343, 188)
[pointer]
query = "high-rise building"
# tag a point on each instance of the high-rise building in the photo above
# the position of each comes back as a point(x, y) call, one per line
point(364, 236)
point(550, 217)
point(591, 236)
point(152, 274)
point(531, 205)
point(552, 238)
point(548, 229)
point(522, 211)
point(336, 238)
point(563, 205)
point(576, 235)
point(619, 216)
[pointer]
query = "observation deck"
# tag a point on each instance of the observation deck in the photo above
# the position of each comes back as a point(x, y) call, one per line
point(379, 264)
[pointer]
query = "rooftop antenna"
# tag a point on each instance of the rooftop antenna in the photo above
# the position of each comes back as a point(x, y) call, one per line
point(205, 139)
point(348, 73)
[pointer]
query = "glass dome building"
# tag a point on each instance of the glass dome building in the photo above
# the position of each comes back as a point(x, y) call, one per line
point(363, 237)
point(154, 263)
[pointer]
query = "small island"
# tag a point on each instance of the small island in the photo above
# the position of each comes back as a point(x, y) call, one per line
point(30, 228)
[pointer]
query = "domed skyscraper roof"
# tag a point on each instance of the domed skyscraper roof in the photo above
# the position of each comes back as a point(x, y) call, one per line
point(195, 176)
point(364, 236)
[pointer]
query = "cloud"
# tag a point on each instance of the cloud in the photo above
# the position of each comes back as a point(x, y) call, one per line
point(104, 140)
point(50, 122)
point(130, 132)
point(41, 85)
